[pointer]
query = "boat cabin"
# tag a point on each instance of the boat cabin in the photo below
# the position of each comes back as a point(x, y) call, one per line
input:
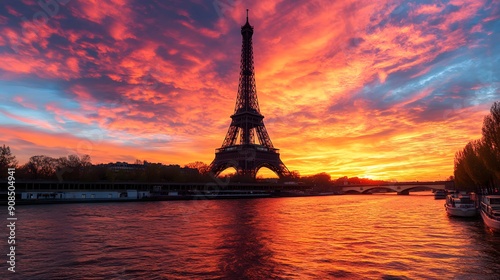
point(493, 200)
point(460, 201)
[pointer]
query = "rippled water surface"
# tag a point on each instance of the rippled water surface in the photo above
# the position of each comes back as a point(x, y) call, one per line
point(352, 237)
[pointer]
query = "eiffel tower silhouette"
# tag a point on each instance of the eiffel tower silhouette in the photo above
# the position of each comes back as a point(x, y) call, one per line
point(239, 149)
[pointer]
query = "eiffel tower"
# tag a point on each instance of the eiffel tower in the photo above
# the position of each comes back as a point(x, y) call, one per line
point(239, 149)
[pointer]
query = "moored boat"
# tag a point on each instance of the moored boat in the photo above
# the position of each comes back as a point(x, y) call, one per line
point(440, 194)
point(490, 211)
point(460, 205)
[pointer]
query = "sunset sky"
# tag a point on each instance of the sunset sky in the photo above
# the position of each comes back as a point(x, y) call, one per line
point(383, 90)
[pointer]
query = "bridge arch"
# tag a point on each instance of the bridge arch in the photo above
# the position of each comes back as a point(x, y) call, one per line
point(402, 188)
point(352, 192)
point(420, 187)
point(368, 190)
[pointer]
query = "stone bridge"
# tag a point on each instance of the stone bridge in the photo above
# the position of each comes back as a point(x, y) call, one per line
point(399, 187)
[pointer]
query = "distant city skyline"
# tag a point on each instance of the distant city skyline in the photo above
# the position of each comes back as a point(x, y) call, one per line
point(382, 90)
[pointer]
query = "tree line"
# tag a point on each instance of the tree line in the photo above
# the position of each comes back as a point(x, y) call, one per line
point(80, 168)
point(477, 165)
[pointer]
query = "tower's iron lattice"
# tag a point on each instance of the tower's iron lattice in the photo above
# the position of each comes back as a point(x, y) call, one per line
point(240, 149)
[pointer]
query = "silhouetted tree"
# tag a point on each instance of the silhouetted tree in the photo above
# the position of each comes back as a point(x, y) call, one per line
point(320, 179)
point(474, 166)
point(294, 175)
point(73, 167)
point(171, 173)
point(354, 181)
point(40, 167)
point(462, 179)
point(478, 164)
point(7, 160)
point(153, 172)
point(491, 139)
point(202, 167)
point(96, 173)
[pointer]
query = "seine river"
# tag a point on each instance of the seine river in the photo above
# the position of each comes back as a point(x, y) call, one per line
point(350, 236)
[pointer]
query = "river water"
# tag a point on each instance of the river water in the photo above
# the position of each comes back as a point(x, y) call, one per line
point(349, 236)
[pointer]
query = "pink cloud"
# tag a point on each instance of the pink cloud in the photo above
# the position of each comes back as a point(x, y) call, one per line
point(12, 11)
point(26, 104)
point(30, 121)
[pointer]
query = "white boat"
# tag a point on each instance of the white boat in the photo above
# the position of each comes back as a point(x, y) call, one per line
point(460, 205)
point(490, 211)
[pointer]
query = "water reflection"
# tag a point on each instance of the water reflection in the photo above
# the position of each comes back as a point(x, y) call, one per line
point(243, 239)
point(391, 237)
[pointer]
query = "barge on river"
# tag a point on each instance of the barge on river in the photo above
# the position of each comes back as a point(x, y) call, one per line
point(490, 211)
point(460, 205)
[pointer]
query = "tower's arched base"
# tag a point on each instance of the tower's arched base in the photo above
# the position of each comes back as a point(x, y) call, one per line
point(247, 160)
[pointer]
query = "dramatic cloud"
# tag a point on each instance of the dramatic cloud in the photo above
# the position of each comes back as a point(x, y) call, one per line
point(385, 90)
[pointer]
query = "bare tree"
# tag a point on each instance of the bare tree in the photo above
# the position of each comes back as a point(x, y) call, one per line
point(202, 167)
point(41, 167)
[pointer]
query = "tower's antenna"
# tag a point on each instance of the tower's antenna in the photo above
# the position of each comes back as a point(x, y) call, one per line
point(247, 15)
